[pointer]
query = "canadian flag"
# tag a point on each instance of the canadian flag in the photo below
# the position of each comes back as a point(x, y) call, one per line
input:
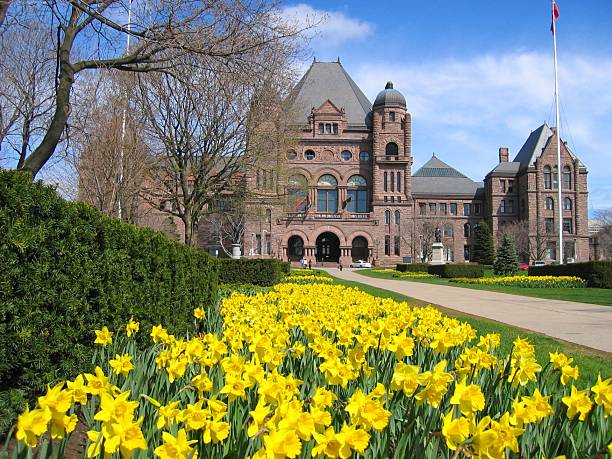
point(555, 15)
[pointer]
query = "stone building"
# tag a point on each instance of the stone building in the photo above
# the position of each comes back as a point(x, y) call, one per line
point(350, 192)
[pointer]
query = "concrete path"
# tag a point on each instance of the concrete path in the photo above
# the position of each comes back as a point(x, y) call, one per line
point(585, 324)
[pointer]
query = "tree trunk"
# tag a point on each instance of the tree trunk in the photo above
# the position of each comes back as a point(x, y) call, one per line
point(4, 6)
point(45, 150)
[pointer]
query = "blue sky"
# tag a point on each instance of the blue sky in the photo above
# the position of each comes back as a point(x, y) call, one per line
point(478, 74)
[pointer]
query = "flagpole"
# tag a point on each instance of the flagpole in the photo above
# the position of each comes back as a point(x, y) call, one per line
point(123, 122)
point(559, 170)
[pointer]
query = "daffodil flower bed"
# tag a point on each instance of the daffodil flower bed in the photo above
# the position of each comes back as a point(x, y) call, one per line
point(406, 274)
point(527, 281)
point(307, 276)
point(322, 370)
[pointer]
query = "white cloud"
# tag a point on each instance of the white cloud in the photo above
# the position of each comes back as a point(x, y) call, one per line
point(331, 27)
point(464, 109)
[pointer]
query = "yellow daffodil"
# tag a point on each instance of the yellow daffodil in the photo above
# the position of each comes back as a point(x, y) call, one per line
point(175, 447)
point(578, 402)
point(122, 364)
point(104, 337)
point(132, 327)
point(31, 425)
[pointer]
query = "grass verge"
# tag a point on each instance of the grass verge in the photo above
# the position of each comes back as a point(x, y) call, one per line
point(590, 361)
point(601, 296)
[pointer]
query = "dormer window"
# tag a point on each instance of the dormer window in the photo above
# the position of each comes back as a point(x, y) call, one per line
point(335, 128)
point(392, 117)
point(328, 128)
point(321, 128)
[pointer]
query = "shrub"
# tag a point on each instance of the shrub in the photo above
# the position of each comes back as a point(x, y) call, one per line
point(412, 267)
point(263, 272)
point(457, 270)
point(598, 274)
point(506, 261)
point(66, 269)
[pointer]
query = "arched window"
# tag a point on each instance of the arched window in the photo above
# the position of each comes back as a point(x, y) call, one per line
point(357, 191)
point(567, 178)
point(309, 155)
point(567, 204)
point(467, 230)
point(297, 193)
point(555, 177)
point(391, 149)
point(387, 217)
point(268, 215)
point(547, 178)
point(396, 217)
point(291, 155)
point(448, 230)
point(327, 194)
point(550, 203)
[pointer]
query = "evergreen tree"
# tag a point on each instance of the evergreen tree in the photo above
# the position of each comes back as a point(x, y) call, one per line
point(484, 250)
point(506, 262)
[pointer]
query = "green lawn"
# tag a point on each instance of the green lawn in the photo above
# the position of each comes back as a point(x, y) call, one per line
point(591, 362)
point(600, 296)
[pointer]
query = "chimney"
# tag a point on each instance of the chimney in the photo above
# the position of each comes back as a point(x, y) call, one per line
point(503, 154)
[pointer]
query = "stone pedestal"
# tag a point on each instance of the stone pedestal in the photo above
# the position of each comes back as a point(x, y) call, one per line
point(437, 254)
point(236, 251)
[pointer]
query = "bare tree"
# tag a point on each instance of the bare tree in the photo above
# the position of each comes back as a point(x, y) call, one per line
point(26, 88)
point(112, 159)
point(162, 33)
point(421, 235)
point(604, 235)
point(197, 128)
point(530, 245)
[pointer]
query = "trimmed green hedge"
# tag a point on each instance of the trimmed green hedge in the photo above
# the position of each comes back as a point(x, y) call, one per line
point(469, 270)
point(263, 272)
point(598, 274)
point(412, 267)
point(65, 270)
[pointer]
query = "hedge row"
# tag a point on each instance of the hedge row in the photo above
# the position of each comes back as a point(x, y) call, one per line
point(596, 273)
point(65, 270)
point(468, 270)
point(412, 267)
point(263, 272)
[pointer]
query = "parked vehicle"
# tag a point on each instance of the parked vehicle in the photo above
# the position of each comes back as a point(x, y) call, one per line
point(360, 264)
point(539, 263)
point(524, 267)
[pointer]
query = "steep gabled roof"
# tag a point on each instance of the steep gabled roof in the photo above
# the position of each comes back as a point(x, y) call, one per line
point(533, 146)
point(329, 80)
point(436, 177)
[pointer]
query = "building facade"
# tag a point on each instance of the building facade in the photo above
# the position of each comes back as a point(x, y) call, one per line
point(350, 192)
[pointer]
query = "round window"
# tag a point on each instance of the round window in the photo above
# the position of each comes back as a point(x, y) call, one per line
point(346, 155)
point(291, 154)
point(309, 155)
point(364, 156)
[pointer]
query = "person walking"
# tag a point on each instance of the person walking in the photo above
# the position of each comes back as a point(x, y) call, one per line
point(309, 263)
point(340, 266)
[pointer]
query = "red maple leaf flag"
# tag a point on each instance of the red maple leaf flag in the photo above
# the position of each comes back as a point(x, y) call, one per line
point(555, 15)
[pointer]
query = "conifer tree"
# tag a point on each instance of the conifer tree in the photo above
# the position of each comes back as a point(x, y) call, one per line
point(484, 250)
point(506, 262)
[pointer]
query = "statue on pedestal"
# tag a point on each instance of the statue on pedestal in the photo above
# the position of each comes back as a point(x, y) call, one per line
point(438, 234)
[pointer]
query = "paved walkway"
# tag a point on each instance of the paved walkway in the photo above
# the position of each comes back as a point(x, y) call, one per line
point(585, 324)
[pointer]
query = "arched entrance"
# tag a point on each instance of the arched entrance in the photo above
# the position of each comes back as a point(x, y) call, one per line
point(359, 249)
point(328, 247)
point(295, 248)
